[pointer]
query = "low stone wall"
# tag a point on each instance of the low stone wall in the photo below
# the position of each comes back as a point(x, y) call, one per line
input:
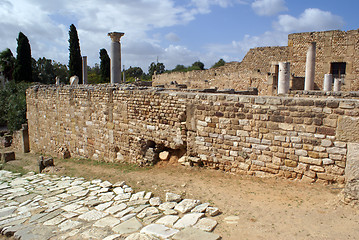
point(303, 138)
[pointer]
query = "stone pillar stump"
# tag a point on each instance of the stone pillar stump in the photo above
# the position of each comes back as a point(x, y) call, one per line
point(328, 81)
point(283, 77)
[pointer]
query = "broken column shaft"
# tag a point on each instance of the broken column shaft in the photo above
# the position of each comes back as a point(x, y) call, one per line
point(283, 77)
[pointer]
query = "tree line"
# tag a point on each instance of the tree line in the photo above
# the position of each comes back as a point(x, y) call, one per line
point(23, 70)
point(43, 70)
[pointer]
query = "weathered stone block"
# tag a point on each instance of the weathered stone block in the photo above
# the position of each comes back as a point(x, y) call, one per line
point(325, 176)
point(290, 163)
point(348, 128)
point(311, 161)
point(326, 131)
point(317, 168)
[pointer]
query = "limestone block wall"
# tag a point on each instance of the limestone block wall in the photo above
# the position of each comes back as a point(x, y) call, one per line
point(332, 46)
point(303, 138)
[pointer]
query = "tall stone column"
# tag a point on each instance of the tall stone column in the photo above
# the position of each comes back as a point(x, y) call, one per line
point(115, 75)
point(337, 84)
point(283, 77)
point(310, 68)
point(84, 70)
point(328, 81)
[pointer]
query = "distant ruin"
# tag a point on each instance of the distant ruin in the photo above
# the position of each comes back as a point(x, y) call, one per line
point(337, 53)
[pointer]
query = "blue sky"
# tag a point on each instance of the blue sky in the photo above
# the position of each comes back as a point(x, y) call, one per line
point(174, 31)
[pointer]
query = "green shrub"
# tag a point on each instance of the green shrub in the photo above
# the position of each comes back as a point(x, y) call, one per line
point(13, 105)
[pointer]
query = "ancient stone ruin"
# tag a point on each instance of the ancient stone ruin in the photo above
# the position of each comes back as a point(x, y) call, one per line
point(311, 55)
point(305, 132)
point(296, 137)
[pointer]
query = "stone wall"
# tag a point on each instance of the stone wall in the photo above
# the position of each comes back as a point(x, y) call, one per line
point(303, 138)
point(332, 46)
point(253, 71)
point(258, 67)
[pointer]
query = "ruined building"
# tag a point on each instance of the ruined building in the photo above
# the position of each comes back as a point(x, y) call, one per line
point(337, 53)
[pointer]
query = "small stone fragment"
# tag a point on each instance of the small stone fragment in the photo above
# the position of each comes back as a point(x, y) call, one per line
point(206, 224)
point(159, 230)
point(129, 226)
point(188, 220)
point(186, 205)
point(105, 184)
point(92, 215)
point(167, 205)
point(164, 156)
point(155, 201)
point(172, 197)
point(195, 234)
point(213, 211)
point(168, 220)
point(200, 208)
point(148, 212)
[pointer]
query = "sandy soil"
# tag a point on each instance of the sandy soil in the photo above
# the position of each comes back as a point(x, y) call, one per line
point(267, 208)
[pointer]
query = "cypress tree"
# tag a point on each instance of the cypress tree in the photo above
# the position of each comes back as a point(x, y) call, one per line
point(23, 67)
point(75, 61)
point(104, 66)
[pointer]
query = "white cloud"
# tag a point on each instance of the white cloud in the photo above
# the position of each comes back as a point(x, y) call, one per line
point(312, 19)
point(269, 7)
point(46, 24)
point(240, 48)
point(172, 37)
point(204, 6)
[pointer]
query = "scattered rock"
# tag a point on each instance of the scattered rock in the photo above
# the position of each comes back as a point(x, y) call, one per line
point(206, 224)
point(168, 220)
point(155, 201)
point(188, 220)
point(195, 234)
point(172, 197)
point(186, 205)
point(212, 211)
point(231, 219)
point(148, 212)
point(164, 156)
point(130, 226)
point(159, 230)
point(200, 208)
point(73, 208)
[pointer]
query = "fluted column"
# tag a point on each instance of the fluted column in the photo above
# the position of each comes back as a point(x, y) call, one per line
point(115, 75)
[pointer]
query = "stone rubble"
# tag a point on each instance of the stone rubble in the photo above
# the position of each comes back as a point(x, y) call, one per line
point(40, 206)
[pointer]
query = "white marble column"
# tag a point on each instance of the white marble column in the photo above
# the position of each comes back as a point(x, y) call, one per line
point(310, 68)
point(337, 84)
point(84, 70)
point(328, 81)
point(115, 75)
point(283, 77)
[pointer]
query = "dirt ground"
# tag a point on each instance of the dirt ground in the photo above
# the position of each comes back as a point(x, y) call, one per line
point(267, 208)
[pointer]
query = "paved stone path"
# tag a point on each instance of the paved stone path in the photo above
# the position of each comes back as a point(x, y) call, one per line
point(40, 206)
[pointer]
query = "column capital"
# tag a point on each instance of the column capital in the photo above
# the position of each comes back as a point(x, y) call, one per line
point(115, 36)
